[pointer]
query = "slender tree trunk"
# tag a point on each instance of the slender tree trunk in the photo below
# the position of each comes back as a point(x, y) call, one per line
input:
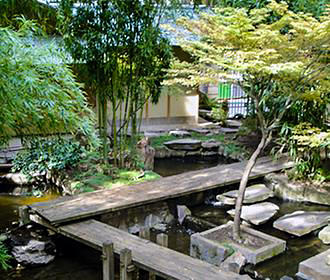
point(265, 139)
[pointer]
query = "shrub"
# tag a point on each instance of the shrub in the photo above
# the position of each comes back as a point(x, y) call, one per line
point(4, 257)
point(308, 145)
point(46, 158)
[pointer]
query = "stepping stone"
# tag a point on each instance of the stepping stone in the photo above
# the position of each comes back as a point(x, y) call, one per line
point(153, 134)
point(180, 133)
point(316, 267)
point(300, 223)
point(324, 235)
point(202, 131)
point(228, 130)
point(211, 145)
point(253, 194)
point(257, 214)
point(224, 200)
point(184, 144)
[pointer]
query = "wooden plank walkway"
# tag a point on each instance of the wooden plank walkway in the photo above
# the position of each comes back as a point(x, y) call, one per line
point(145, 254)
point(100, 202)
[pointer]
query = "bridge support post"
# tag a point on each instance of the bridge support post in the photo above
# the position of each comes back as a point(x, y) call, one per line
point(24, 217)
point(144, 233)
point(127, 269)
point(108, 261)
point(162, 240)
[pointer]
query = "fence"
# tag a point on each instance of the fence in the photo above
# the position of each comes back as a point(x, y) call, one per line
point(238, 102)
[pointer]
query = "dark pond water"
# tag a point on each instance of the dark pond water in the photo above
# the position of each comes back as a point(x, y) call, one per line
point(298, 249)
point(173, 166)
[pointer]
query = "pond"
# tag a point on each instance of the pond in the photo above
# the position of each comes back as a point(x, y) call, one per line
point(298, 249)
point(177, 165)
point(75, 261)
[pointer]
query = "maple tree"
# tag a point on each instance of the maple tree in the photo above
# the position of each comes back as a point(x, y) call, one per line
point(275, 62)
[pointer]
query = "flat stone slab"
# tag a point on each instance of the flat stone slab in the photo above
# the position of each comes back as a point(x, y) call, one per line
point(216, 244)
point(211, 145)
point(300, 223)
point(228, 130)
point(202, 131)
point(316, 267)
point(253, 194)
point(184, 144)
point(180, 133)
point(257, 213)
point(324, 235)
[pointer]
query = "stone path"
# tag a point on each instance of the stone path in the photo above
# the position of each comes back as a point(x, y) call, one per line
point(300, 223)
point(253, 194)
point(257, 213)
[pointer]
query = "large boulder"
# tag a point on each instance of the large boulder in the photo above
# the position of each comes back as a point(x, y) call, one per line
point(257, 213)
point(15, 178)
point(324, 235)
point(253, 194)
point(35, 253)
point(184, 144)
point(300, 223)
point(234, 263)
point(283, 188)
point(183, 212)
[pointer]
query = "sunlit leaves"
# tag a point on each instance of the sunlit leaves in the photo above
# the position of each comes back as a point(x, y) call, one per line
point(38, 92)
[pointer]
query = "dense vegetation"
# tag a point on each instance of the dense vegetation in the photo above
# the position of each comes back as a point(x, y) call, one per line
point(39, 93)
point(125, 54)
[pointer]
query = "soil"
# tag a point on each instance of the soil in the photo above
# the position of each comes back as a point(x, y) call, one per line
point(225, 235)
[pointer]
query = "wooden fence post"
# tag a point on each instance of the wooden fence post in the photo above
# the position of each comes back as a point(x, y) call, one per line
point(24, 217)
point(127, 268)
point(162, 240)
point(144, 233)
point(108, 261)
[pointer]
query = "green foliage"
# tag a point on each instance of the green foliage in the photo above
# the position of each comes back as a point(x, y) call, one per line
point(48, 157)
point(276, 63)
point(314, 7)
point(43, 14)
point(308, 145)
point(38, 92)
point(125, 53)
point(220, 112)
point(311, 111)
point(4, 257)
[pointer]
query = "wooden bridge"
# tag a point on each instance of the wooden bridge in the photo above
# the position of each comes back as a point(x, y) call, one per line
point(74, 217)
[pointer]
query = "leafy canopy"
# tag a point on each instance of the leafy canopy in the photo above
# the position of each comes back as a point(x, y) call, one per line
point(38, 92)
point(275, 63)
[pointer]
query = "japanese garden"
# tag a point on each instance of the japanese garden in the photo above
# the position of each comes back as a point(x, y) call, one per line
point(165, 139)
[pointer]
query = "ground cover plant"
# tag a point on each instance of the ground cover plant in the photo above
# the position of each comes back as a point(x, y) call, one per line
point(4, 257)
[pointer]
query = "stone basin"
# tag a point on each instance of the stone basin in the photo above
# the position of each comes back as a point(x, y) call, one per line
point(215, 245)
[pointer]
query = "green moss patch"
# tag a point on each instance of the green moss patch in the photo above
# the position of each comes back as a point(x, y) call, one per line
point(122, 178)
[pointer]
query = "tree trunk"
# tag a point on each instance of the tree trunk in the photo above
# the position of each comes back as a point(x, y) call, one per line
point(243, 183)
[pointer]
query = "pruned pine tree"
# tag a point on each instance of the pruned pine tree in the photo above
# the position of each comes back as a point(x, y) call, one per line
point(276, 63)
